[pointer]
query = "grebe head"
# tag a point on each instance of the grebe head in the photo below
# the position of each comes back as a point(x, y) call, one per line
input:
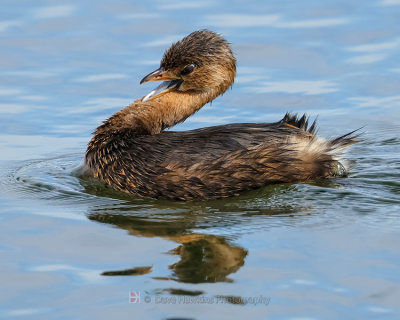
point(201, 62)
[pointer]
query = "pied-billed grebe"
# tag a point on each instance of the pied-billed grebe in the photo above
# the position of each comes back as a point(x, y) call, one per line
point(132, 153)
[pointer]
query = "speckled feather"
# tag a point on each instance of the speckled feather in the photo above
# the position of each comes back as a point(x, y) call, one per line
point(130, 152)
point(194, 48)
point(216, 162)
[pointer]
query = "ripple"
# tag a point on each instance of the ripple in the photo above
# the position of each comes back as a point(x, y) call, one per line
point(297, 86)
point(388, 3)
point(390, 101)
point(50, 180)
point(270, 20)
point(372, 192)
point(367, 58)
point(102, 77)
point(54, 11)
point(376, 46)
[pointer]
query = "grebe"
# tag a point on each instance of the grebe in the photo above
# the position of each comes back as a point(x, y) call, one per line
point(132, 153)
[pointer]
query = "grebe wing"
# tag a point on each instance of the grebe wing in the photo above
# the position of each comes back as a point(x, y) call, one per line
point(185, 148)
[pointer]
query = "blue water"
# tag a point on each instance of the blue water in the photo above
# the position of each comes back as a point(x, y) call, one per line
point(70, 249)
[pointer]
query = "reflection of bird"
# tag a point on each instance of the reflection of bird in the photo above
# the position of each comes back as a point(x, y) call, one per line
point(203, 258)
point(207, 259)
point(131, 152)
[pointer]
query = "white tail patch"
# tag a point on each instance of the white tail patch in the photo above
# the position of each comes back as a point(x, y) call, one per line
point(311, 148)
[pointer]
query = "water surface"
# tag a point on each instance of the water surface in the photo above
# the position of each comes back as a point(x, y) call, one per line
point(73, 249)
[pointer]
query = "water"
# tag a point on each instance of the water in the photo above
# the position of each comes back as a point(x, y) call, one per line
point(72, 249)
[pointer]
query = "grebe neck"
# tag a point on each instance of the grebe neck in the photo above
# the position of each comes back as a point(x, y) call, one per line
point(160, 112)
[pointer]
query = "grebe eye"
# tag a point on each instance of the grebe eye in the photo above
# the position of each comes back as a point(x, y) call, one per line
point(188, 69)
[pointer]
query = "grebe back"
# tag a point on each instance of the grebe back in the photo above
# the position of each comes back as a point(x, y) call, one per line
point(132, 153)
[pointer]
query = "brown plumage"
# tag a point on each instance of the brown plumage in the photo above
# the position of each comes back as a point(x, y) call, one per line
point(132, 153)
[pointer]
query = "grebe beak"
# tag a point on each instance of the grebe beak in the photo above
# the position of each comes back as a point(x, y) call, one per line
point(170, 82)
point(157, 75)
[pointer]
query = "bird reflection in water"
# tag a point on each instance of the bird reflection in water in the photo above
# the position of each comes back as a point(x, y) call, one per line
point(204, 258)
